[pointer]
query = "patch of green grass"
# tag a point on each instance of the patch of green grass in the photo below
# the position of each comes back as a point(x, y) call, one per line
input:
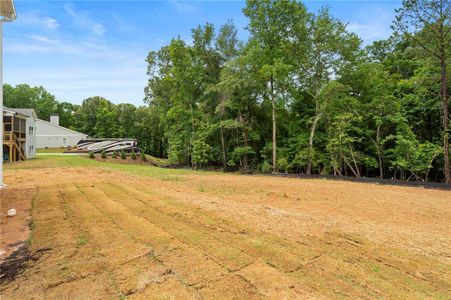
point(157, 161)
point(29, 240)
point(201, 188)
point(71, 161)
point(376, 269)
point(51, 150)
point(33, 225)
point(90, 218)
point(171, 178)
point(82, 239)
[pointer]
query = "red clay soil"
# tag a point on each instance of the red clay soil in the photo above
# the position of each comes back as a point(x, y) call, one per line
point(15, 230)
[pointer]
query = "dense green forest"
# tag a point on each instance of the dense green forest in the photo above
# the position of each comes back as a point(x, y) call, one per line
point(301, 95)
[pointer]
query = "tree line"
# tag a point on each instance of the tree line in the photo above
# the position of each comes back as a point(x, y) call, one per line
point(300, 95)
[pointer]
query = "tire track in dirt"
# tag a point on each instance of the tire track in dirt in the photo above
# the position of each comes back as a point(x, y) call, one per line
point(350, 276)
point(193, 267)
point(225, 254)
point(152, 211)
point(130, 263)
point(87, 267)
point(399, 217)
point(285, 255)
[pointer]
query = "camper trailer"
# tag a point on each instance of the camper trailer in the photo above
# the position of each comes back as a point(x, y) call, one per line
point(109, 145)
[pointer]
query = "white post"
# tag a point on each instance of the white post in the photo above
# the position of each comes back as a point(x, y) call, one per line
point(1, 105)
point(10, 16)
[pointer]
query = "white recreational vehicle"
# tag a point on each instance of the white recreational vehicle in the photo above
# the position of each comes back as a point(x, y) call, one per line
point(109, 145)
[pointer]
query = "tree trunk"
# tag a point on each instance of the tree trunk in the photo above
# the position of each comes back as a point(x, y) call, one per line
point(221, 116)
point(444, 92)
point(193, 164)
point(350, 168)
point(244, 134)
point(224, 161)
point(310, 143)
point(377, 143)
point(429, 168)
point(245, 156)
point(356, 166)
point(379, 154)
point(274, 127)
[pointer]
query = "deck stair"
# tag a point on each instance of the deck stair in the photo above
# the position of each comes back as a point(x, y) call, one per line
point(13, 143)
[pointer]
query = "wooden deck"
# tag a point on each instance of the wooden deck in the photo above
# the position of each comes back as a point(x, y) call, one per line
point(14, 137)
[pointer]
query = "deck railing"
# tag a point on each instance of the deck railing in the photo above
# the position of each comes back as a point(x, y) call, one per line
point(9, 137)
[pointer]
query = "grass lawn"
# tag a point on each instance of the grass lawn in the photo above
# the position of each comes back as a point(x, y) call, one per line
point(108, 230)
point(68, 161)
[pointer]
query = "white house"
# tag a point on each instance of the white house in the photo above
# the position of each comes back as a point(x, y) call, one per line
point(51, 135)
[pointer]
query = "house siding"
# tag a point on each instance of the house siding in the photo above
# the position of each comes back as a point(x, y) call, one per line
point(53, 136)
point(30, 138)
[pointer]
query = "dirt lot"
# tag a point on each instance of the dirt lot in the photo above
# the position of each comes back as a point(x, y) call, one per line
point(102, 231)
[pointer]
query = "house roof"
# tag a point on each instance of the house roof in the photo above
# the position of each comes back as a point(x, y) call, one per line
point(13, 111)
point(7, 110)
point(61, 127)
point(7, 10)
point(25, 111)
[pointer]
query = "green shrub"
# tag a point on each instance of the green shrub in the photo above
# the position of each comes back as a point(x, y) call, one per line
point(266, 167)
point(114, 154)
point(283, 165)
point(82, 239)
point(123, 155)
point(103, 154)
point(91, 154)
point(133, 155)
point(143, 156)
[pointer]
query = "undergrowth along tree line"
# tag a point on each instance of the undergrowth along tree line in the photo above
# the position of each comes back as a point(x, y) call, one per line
point(301, 95)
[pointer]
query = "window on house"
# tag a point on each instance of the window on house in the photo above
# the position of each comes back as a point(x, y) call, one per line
point(64, 141)
point(31, 150)
point(30, 130)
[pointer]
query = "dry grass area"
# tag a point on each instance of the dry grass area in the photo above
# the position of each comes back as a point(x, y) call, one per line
point(100, 232)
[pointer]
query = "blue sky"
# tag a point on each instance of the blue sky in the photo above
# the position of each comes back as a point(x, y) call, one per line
point(84, 48)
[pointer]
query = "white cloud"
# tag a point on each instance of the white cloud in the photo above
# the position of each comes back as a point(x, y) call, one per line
point(120, 24)
point(119, 81)
point(42, 44)
point(369, 31)
point(44, 39)
point(74, 70)
point(183, 6)
point(57, 46)
point(50, 23)
point(83, 20)
point(372, 24)
point(38, 20)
